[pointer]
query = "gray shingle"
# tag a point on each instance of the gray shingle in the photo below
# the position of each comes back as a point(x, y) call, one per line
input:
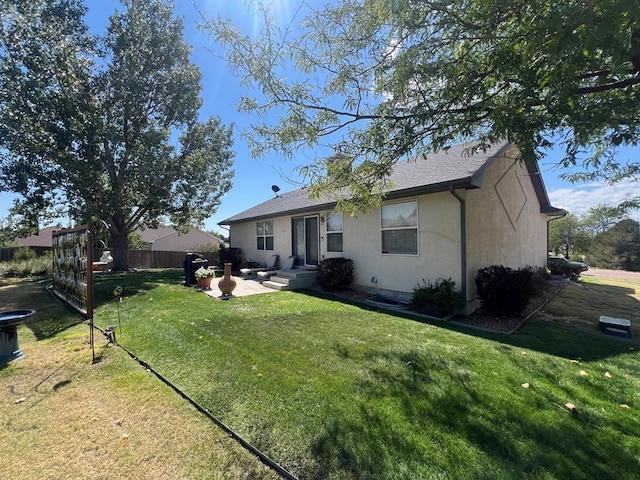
point(453, 167)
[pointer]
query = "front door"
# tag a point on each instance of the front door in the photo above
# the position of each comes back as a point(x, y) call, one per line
point(306, 240)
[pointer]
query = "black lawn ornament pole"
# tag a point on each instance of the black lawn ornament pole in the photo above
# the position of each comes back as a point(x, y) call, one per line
point(117, 293)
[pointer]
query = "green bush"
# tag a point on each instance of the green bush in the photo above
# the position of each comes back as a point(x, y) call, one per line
point(230, 255)
point(504, 291)
point(209, 252)
point(437, 299)
point(24, 253)
point(539, 278)
point(334, 273)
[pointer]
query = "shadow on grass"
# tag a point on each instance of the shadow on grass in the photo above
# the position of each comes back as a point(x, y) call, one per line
point(553, 339)
point(427, 401)
point(54, 316)
point(580, 305)
point(44, 326)
point(132, 283)
point(51, 316)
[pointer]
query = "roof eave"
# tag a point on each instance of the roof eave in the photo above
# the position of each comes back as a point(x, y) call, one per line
point(541, 191)
point(465, 183)
point(297, 211)
point(554, 212)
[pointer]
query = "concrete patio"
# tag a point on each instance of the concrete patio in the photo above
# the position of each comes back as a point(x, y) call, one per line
point(244, 287)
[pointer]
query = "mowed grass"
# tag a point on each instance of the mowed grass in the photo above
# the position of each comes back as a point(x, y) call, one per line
point(61, 416)
point(332, 390)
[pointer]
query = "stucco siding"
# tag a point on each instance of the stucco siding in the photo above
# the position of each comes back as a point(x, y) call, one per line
point(438, 248)
point(438, 245)
point(500, 206)
point(504, 223)
point(243, 236)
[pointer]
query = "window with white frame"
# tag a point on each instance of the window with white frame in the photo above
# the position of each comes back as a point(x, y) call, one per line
point(399, 225)
point(264, 233)
point(334, 232)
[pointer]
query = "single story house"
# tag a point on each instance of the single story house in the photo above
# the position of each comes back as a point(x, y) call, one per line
point(170, 240)
point(447, 216)
point(43, 238)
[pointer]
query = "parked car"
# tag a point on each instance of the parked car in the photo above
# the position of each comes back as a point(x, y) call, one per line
point(562, 266)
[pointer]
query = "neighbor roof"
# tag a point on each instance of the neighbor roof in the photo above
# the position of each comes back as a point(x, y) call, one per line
point(452, 168)
point(151, 235)
point(43, 238)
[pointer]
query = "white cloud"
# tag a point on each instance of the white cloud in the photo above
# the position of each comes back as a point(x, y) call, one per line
point(579, 198)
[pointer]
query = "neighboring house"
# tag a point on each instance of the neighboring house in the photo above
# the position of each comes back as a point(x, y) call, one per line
point(163, 238)
point(44, 238)
point(447, 216)
point(168, 239)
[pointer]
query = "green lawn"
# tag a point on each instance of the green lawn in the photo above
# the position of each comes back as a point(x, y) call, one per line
point(64, 417)
point(336, 391)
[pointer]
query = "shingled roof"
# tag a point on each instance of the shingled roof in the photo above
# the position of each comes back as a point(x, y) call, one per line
point(453, 168)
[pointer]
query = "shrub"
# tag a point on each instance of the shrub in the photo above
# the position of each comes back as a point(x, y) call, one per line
point(539, 278)
point(208, 251)
point(27, 267)
point(334, 273)
point(438, 299)
point(24, 253)
point(504, 291)
point(230, 255)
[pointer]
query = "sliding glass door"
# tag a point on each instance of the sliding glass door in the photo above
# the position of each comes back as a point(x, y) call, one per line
point(306, 240)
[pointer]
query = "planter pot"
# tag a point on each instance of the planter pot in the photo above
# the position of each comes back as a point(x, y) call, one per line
point(227, 283)
point(205, 283)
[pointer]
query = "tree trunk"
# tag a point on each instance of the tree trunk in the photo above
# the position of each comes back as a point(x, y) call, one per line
point(120, 242)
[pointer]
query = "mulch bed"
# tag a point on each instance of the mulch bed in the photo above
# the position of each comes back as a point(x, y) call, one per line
point(509, 324)
point(480, 319)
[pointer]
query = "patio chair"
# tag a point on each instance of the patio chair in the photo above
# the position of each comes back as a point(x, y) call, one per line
point(247, 272)
point(288, 265)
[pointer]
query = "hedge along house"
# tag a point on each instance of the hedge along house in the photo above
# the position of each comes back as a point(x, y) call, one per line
point(447, 216)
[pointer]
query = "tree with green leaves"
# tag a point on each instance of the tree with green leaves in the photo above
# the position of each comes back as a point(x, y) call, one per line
point(618, 247)
point(106, 127)
point(7, 235)
point(568, 236)
point(600, 218)
point(370, 82)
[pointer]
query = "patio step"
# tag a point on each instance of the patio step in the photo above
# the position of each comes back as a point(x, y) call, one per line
point(292, 280)
point(282, 280)
point(275, 285)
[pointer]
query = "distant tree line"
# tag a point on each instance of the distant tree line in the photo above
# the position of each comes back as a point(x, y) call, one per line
point(604, 237)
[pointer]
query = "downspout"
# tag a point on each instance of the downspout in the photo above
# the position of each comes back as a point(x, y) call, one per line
point(463, 243)
point(228, 229)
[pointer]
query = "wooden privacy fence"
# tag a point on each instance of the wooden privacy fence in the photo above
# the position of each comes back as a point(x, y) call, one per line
point(135, 258)
point(161, 259)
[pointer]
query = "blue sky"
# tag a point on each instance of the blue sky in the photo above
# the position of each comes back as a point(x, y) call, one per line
point(254, 177)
